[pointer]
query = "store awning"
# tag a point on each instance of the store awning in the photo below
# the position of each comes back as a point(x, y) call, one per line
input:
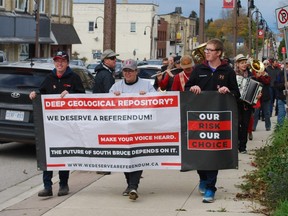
point(64, 34)
point(18, 40)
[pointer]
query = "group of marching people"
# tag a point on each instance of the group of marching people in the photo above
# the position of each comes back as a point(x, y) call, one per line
point(178, 74)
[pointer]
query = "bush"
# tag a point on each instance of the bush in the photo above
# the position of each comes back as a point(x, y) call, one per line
point(282, 210)
point(268, 183)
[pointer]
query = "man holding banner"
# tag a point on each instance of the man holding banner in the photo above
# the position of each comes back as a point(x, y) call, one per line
point(62, 80)
point(214, 74)
point(131, 84)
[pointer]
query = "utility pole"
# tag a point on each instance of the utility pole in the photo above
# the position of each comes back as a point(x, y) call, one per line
point(109, 25)
point(37, 18)
point(202, 22)
point(236, 11)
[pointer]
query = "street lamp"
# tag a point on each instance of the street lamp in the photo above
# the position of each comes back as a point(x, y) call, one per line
point(257, 12)
point(264, 26)
point(96, 21)
point(150, 39)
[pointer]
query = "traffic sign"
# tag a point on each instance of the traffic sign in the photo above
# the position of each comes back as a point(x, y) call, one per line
point(282, 17)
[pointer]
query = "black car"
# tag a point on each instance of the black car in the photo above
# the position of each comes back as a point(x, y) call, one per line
point(17, 80)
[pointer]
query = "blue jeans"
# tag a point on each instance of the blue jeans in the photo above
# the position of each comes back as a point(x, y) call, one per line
point(281, 112)
point(47, 179)
point(265, 105)
point(210, 177)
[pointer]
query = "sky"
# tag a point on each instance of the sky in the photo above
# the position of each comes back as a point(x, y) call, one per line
point(213, 8)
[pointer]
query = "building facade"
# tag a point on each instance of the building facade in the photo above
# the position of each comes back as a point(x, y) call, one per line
point(140, 32)
point(22, 29)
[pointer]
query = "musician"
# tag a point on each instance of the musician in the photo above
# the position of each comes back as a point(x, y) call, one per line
point(166, 78)
point(244, 109)
point(214, 74)
point(264, 79)
point(181, 78)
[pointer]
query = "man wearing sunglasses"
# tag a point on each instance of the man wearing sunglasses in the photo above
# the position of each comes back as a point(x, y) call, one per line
point(104, 78)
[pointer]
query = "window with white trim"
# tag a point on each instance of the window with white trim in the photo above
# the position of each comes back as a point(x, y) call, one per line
point(54, 7)
point(2, 3)
point(91, 26)
point(66, 7)
point(21, 4)
point(42, 6)
point(132, 27)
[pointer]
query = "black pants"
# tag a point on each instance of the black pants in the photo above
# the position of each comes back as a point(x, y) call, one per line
point(133, 179)
point(244, 114)
point(47, 178)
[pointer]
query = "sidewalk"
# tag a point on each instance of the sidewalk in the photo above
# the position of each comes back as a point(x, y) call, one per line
point(161, 193)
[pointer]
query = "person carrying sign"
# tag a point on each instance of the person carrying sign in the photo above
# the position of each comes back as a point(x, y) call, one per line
point(214, 74)
point(62, 80)
point(131, 84)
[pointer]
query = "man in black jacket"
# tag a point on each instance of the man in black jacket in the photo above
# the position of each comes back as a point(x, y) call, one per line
point(104, 78)
point(62, 80)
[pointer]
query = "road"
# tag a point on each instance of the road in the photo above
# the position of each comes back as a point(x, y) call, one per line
point(18, 168)
point(18, 163)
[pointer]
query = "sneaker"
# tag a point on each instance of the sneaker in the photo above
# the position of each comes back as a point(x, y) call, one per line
point(250, 136)
point(126, 192)
point(45, 193)
point(268, 129)
point(64, 190)
point(208, 196)
point(243, 152)
point(103, 173)
point(133, 195)
point(202, 187)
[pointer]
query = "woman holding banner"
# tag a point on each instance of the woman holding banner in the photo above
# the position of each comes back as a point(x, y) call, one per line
point(131, 84)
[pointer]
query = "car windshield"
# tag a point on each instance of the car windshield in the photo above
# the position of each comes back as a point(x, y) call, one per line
point(146, 73)
point(8, 78)
point(91, 66)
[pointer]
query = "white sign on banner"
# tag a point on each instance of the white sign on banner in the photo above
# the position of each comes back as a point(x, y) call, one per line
point(282, 17)
point(86, 132)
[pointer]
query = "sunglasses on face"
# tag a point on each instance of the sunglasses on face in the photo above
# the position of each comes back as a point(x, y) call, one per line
point(112, 58)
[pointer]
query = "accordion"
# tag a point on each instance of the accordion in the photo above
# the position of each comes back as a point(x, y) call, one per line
point(249, 89)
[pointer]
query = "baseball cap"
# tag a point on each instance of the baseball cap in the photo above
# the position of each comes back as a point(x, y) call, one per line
point(129, 64)
point(107, 54)
point(186, 62)
point(61, 55)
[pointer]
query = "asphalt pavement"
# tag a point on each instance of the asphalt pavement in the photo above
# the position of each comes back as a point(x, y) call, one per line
point(161, 193)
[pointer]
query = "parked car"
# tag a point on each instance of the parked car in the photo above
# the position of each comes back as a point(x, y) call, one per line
point(154, 62)
point(77, 62)
point(147, 72)
point(17, 80)
point(118, 70)
point(91, 68)
point(39, 60)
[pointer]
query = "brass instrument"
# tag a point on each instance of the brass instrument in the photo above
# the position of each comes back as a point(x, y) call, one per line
point(198, 54)
point(257, 66)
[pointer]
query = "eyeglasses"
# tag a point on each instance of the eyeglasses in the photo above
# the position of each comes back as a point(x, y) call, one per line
point(210, 50)
point(112, 58)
